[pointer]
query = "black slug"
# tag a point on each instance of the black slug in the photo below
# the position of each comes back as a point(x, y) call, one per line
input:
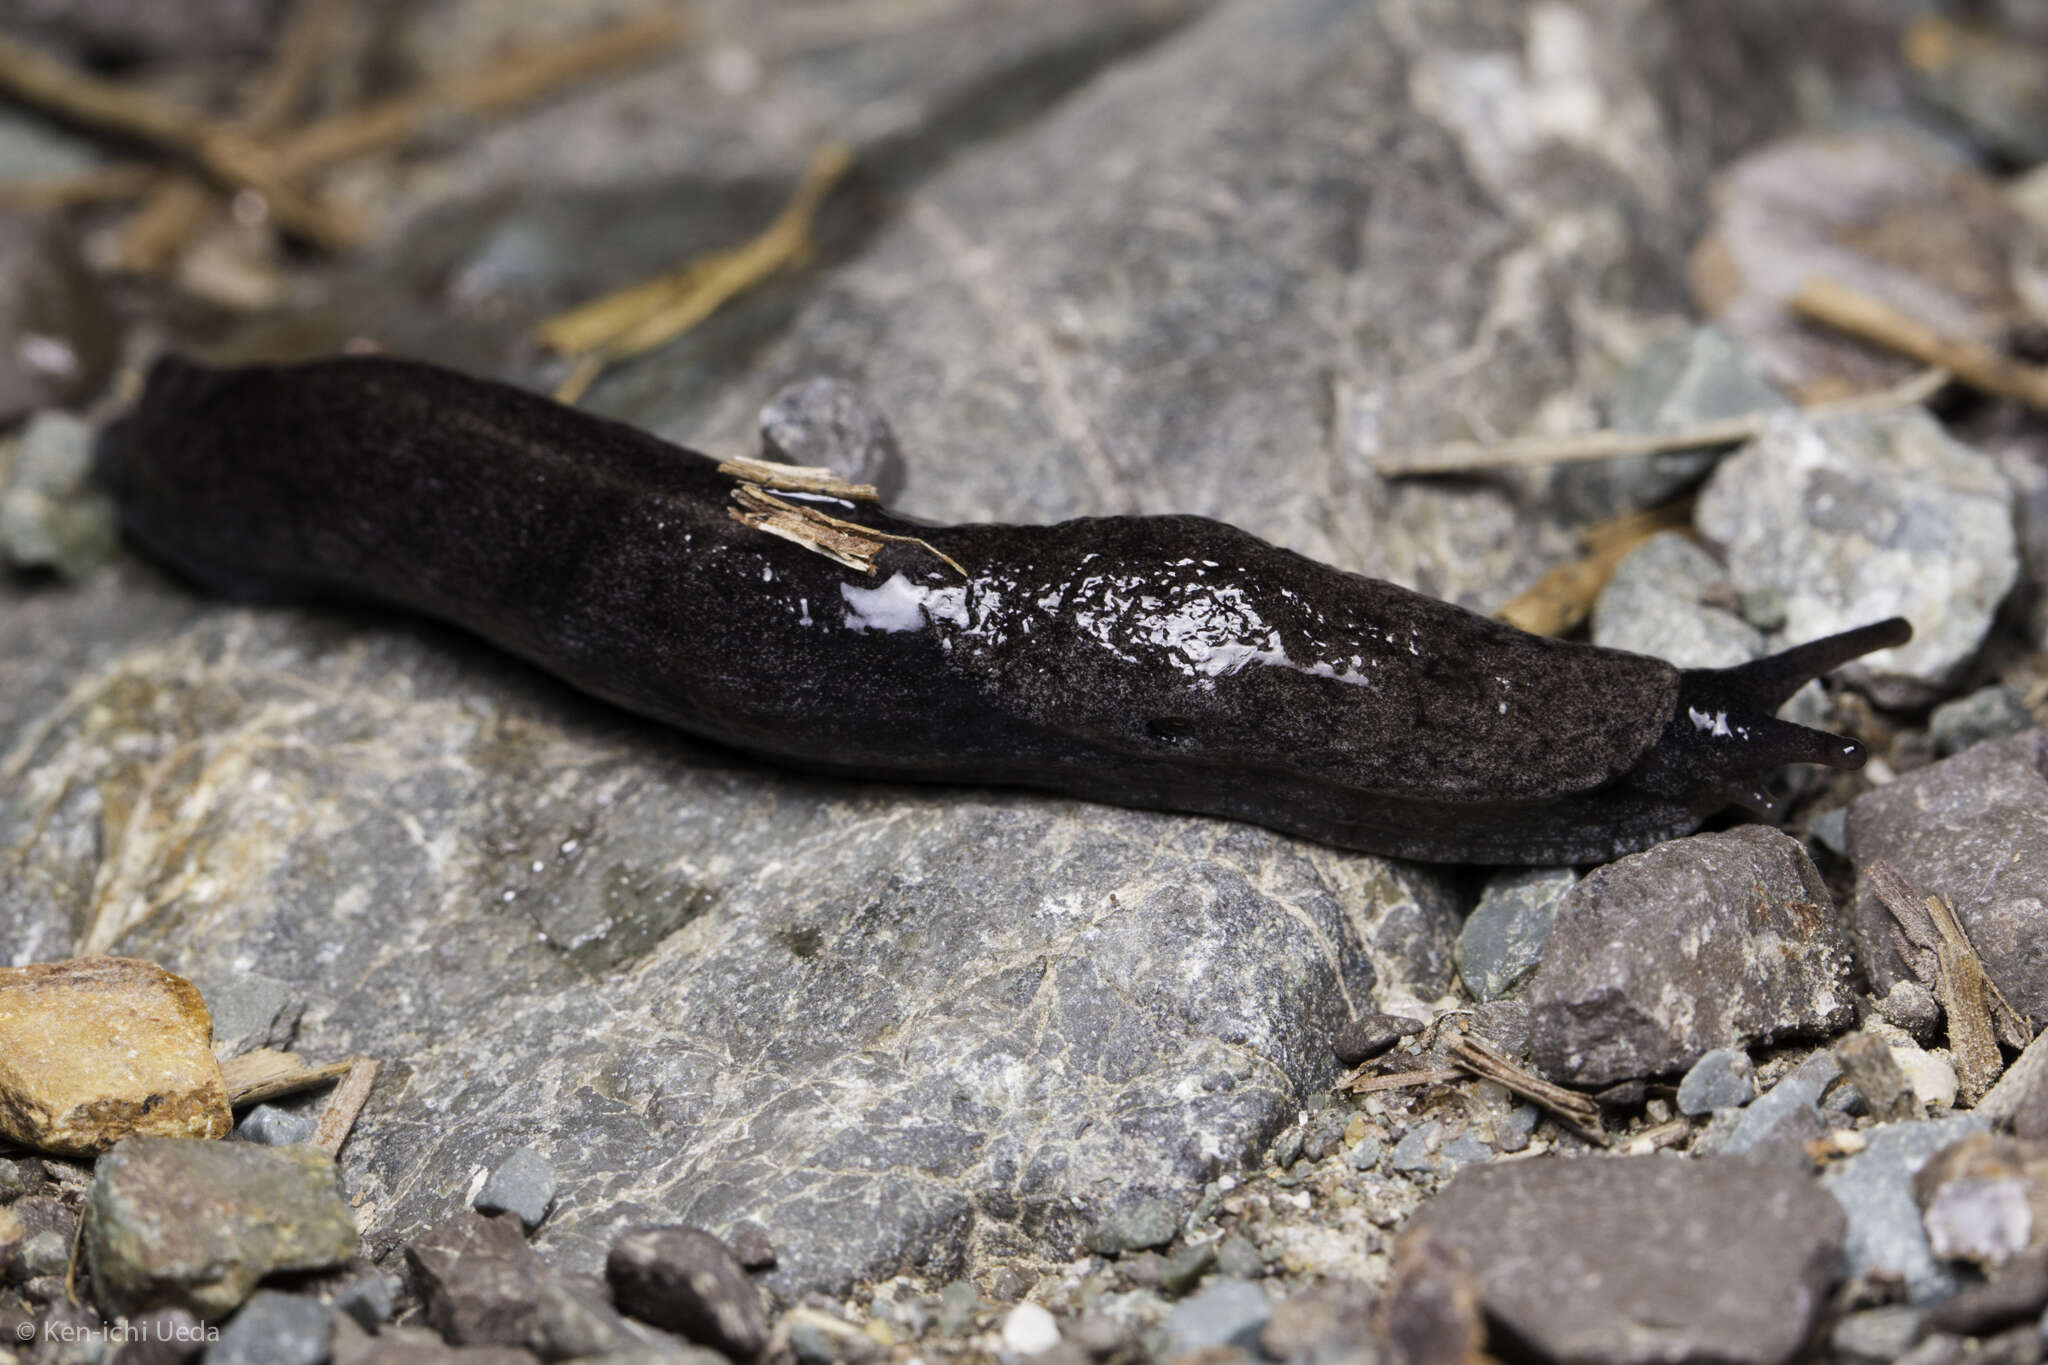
point(1170, 662)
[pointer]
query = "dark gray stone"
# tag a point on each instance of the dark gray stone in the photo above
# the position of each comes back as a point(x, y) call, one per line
point(1858, 518)
point(1993, 712)
point(1369, 1035)
point(187, 1223)
point(1720, 1079)
point(1880, 1081)
point(1416, 1152)
point(481, 1283)
point(573, 1317)
point(1135, 1226)
point(274, 1127)
point(167, 1336)
point(1745, 949)
point(1786, 1115)
point(1973, 830)
point(1875, 1189)
point(752, 1247)
point(1643, 1258)
point(1226, 1313)
point(275, 1329)
point(370, 1300)
point(523, 1182)
point(1503, 937)
point(687, 1281)
point(251, 1010)
point(2019, 1101)
point(830, 423)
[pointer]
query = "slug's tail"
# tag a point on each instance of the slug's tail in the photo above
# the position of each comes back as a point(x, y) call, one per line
point(1724, 738)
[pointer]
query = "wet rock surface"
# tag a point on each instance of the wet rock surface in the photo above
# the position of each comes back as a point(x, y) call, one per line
point(1644, 1259)
point(1746, 949)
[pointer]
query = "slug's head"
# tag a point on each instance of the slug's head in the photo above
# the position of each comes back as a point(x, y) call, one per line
point(1724, 738)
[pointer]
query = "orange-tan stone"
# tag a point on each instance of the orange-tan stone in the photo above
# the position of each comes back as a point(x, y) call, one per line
point(97, 1048)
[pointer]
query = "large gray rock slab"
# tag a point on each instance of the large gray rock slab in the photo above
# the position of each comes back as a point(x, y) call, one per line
point(1644, 1259)
point(1973, 830)
point(897, 1025)
point(1719, 940)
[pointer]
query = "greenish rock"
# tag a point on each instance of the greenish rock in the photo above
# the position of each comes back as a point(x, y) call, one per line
point(1135, 1227)
point(1988, 713)
point(51, 517)
point(188, 1223)
point(1502, 942)
point(1186, 1267)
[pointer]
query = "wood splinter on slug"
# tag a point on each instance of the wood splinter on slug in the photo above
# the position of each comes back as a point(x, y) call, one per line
point(843, 542)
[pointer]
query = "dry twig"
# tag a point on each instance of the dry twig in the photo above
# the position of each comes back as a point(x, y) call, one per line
point(637, 319)
point(1578, 1112)
point(220, 151)
point(344, 1104)
point(266, 1073)
point(179, 204)
point(846, 542)
point(1362, 1082)
point(1562, 598)
point(100, 185)
point(1466, 457)
point(798, 478)
point(1931, 941)
point(1873, 320)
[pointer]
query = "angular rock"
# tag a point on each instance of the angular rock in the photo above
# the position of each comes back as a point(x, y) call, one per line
point(1226, 1313)
point(274, 1127)
point(1876, 1336)
point(2019, 1101)
point(523, 1183)
point(574, 1318)
point(1854, 519)
point(97, 1048)
point(1369, 1035)
point(1719, 940)
point(480, 1281)
point(251, 1010)
point(1778, 1123)
point(1984, 1198)
point(2016, 1294)
point(1677, 382)
point(370, 1300)
point(1643, 1258)
point(275, 1329)
point(166, 1336)
point(176, 1222)
point(685, 1280)
point(1135, 1226)
point(1875, 1189)
point(1723, 1078)
point(1973, 830)
point(1993, 712)
point(1320, 1323)
point(1503, 937)
point(1867, 1061)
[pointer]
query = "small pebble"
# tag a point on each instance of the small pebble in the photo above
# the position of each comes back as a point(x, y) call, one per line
point(1933, 1080)
point(1184, 1269)
point(686, 1280)
point(523, 1182)
point(1720, 1079)
point(275, 1127)
point(1416, 1153)
point(1239, 1259)
point(1365, 1153)
point(1227, 1313)
point(752, 1248)
point(1029, 1330)
point(46, 1253)
point(1988, 713)
point(1369, 1035)
point(370, 1300)
point(275, 1329)
point(958, 1303)
point(1134, 1227)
